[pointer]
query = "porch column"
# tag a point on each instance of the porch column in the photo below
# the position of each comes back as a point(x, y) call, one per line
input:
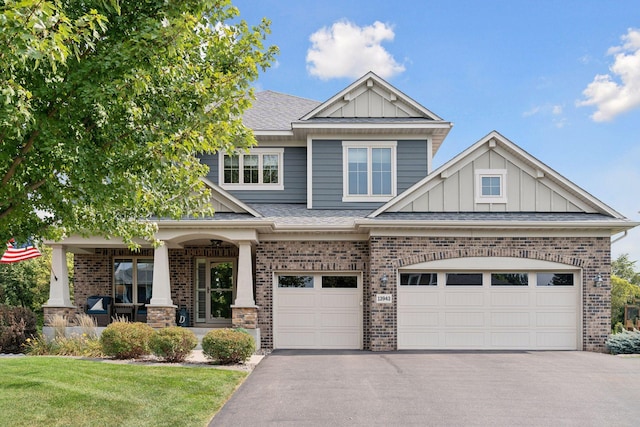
point(59, 298)
point(244, 313)
point(160, 311)
point(161, 288)
point(59, 279)
point(244, 290)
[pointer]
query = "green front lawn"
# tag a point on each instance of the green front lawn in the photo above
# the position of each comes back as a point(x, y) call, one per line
point(58, 391)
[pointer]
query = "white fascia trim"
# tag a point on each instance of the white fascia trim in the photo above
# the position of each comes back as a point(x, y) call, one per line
point(488, 233)
point(341, 236)
point(309, 172)
point(287, 133)
point(541, 225)
point(370, 126)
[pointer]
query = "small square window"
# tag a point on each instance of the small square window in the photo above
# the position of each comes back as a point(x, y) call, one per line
point(491, 186)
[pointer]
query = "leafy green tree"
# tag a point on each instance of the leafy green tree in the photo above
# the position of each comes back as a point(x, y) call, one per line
point(624, 268)
point(622, 293)
point(105, 106)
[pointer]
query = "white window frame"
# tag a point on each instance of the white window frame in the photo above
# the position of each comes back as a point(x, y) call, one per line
point(369, 145)
point(491, 173)
point(260, 152)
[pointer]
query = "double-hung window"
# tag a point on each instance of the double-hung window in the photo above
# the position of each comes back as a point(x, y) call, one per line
point(491, 185)
point(369, 171)
point(259, 169)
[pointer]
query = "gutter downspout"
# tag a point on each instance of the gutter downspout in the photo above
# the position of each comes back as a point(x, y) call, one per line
point(620, 238)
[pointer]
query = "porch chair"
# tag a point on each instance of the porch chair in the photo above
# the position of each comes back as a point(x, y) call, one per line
point(100, 308)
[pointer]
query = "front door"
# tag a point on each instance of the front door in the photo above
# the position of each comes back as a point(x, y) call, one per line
point(215, 291)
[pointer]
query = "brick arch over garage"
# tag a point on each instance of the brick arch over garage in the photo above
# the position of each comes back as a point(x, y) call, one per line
point(491, 253)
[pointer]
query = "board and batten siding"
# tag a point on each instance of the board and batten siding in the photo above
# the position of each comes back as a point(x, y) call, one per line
point(454, 191)
point(327, 166)
point(294, 177)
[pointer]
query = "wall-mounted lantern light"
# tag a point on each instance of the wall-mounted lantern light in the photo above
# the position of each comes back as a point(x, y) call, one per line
point(384, 279)
point(598, 281)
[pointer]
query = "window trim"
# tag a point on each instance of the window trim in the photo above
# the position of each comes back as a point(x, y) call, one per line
point(491, 173)
point(260, 186)
point(369, 145)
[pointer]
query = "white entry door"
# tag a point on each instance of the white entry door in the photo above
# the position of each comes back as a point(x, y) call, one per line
point(318, 311)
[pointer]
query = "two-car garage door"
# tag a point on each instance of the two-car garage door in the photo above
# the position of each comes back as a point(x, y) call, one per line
point(489, 304)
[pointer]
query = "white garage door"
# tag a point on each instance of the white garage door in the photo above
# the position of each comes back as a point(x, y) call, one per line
point(318, 312)
point(517, 309)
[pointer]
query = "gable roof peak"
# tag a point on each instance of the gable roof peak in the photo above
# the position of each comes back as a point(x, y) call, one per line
point(393, 102)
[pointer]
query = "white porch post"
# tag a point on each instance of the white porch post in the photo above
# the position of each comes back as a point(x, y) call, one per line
point(244, 290)
point(59, 279)
point(161, 284)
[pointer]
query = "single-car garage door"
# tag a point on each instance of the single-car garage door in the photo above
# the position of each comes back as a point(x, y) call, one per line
point(517, 304)
point(318, 311)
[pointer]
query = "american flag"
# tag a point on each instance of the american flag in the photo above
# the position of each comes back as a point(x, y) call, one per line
point(17, 253)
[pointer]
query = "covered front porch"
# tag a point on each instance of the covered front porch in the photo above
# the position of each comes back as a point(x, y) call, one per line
point(209, 276)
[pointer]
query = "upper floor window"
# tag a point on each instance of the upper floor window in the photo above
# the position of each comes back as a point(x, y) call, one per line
point(259, 169)
point(491, 185)
point(369, 171)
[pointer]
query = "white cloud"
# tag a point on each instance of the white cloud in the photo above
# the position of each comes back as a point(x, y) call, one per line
point(346, 50)
point(620, 93)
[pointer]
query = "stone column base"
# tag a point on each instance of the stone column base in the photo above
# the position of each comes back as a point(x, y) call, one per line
point(68, 312)
point(161, 316)
point(244, 317)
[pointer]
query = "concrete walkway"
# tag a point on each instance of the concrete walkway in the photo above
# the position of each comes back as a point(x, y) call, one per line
point(315, 388)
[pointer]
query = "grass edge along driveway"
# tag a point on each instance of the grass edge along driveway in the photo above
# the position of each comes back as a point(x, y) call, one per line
point(60, 391)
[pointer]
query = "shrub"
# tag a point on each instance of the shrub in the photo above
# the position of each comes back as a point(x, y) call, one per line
point(228, 345)
point(173, 344)
point(626, 342)
point(16, 325)
point(124, 340)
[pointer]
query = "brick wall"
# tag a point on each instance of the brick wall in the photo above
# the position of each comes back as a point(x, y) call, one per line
point(590, 254)
point(307, 256)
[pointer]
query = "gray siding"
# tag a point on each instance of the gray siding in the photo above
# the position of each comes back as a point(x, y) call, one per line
point(328, 167)
point(295, 179)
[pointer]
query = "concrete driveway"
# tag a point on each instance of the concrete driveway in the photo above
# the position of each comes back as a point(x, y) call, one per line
point(323, 388)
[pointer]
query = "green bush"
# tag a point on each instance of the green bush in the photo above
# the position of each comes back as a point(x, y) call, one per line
point(124, 340)
point(228, 345)
point(173, 344)
point(626, 342)
point(17, 324)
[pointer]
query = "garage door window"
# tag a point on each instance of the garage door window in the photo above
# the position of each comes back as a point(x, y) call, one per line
point(295, 281)
point(509, 279)
point(555, 279)
point(419, 279)
point(342, 282)
point(464, 279)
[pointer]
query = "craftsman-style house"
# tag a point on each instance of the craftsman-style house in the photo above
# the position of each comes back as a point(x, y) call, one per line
point(335, 232)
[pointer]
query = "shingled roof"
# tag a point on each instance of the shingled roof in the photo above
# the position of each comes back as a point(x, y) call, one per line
point(275, 111)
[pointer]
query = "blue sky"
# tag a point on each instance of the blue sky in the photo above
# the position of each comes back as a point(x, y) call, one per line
point(561, 79)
